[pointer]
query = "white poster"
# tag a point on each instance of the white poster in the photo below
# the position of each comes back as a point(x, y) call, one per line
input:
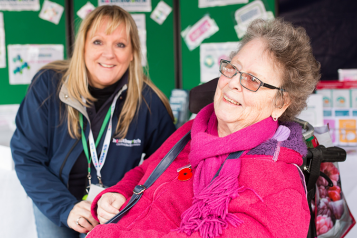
point(194, 35)
point(210, 57)
point(51, 11)
point(160, 13)
point(25, 60)
point(2, 42)
point(141, 25)
point(20, 5)
point(85, 10)
point(212, 3)
point(313, 113)
point(129, 5)
point(245, 15)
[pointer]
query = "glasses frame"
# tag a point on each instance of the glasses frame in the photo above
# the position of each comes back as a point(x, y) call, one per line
point(262, 84)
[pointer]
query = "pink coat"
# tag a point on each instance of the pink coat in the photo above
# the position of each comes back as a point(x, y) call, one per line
point(284, 211)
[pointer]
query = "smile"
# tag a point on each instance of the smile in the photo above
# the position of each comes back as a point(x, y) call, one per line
point(231, 101)
point(107, 65)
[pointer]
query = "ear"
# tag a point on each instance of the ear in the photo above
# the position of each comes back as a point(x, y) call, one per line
point(278, 111)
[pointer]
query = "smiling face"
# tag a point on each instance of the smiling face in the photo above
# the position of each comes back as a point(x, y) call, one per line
point(237, 107)
point(107, 57)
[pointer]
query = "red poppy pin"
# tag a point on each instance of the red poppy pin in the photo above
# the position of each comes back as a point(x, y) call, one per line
point(185, 173)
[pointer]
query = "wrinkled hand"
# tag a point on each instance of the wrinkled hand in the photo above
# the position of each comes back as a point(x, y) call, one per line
point(81, 209)
point(109, 205)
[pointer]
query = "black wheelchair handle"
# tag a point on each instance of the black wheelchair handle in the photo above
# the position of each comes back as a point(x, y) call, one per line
point(329, 154)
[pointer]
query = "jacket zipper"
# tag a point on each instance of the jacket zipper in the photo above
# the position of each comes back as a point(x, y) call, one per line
point(65, 160)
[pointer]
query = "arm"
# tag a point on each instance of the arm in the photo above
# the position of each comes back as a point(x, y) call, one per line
point(132, 178)
point(30, 151)
point(280, 215)
point(125, 186)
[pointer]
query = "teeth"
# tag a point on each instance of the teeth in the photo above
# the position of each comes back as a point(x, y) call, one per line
point(231, 101)
point(107, 65)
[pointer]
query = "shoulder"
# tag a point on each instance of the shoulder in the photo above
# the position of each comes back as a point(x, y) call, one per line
point(150, 96)
point(46, 78)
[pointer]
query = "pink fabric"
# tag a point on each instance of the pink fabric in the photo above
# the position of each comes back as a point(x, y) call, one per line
point(209, 211)
point(282, 211)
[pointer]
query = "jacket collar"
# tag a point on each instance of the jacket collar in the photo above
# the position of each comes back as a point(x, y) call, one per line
point(66, 99)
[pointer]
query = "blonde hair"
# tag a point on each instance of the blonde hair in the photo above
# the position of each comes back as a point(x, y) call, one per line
point(75, 73)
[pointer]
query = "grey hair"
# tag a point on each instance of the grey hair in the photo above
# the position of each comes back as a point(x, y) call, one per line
point(290, 49)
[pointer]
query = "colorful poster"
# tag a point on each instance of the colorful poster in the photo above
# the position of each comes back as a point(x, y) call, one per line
point(203, 29)
point(129, 5)
point(51, 12)
point(347, 131)
point(245, 15)
point(160, 13)
point(85, 10)
point(210, 57)
point(25, 60)
point(212, 3)
point(2, 42)
point(19, 5)
point(141, 25)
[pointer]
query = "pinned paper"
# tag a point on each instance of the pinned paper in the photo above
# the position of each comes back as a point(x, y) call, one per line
point(2, 42)
point(25, 60)
point(245, 15)
point(212, 3)
point(314, 111)
point(161, 12)
point(141, 25)
point(203, 29)
point(51, 12)
point(211, 55)
point(19, 5)
point(129, 5)
point(85, 10)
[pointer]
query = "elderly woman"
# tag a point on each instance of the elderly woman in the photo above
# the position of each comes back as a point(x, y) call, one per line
point(257, 194)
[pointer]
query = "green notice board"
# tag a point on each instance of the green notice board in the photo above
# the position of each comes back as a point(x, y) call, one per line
point(159, 42)
point(25, 27)
point(224, 17)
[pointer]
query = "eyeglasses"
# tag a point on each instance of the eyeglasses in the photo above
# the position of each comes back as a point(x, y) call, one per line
point(248, 81)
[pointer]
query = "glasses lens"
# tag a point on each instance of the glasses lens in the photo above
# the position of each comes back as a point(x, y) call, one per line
point(250, 82)
point(227, 69)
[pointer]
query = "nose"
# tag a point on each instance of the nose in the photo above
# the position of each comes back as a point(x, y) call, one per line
point(108, 51)
point(234, 82)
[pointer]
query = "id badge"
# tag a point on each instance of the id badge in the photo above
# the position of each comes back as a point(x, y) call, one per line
point(94, 190)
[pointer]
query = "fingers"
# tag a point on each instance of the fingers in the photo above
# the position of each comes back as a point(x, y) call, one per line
point(84, 225)
point(80, 219)
point(119, 200)
point(108, 206)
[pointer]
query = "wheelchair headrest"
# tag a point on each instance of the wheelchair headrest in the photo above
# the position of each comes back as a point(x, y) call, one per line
point(202, 95)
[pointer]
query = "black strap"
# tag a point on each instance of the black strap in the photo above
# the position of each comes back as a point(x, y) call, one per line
point(160, 168)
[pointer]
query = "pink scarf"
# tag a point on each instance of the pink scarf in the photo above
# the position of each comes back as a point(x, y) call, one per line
point(209, 211)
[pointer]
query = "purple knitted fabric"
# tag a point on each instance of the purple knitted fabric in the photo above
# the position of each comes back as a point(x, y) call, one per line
point(294, 142)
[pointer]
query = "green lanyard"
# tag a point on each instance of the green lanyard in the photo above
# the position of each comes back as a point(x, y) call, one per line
point(84, 142)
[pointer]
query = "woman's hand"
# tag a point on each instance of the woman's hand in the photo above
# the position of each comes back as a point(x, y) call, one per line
point(81, 214)
point(109, 205)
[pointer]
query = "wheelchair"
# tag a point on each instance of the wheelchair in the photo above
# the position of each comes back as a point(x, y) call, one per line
point(202, 95)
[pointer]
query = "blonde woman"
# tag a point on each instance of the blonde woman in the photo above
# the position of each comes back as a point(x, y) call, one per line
point(85, 122)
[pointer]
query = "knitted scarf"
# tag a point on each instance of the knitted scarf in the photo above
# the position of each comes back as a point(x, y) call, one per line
point(209, 211)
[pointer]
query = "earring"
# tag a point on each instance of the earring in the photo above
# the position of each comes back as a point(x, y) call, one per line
point(275, 118)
